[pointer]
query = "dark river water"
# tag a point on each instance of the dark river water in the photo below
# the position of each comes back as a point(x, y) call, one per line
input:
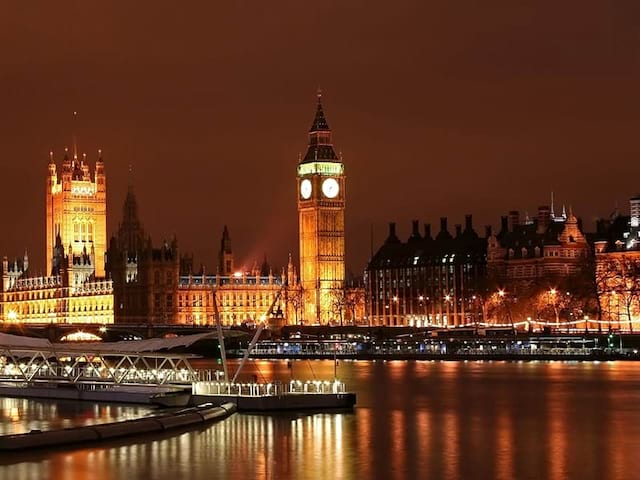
point(431, 420)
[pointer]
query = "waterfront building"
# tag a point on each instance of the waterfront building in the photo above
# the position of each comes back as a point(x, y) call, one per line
point(74, 289)
point(321, 205)
point(71, 294)
point(427, 281)
point(617, 249)
point(548, 246)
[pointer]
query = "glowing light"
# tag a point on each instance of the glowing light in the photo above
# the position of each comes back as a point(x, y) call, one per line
point(81, 336)
point(12, 315)
point(237, 274)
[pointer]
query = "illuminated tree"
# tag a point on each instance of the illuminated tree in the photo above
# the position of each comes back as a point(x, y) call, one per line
point(338, 302)
point(354, 298)
point(295, 298)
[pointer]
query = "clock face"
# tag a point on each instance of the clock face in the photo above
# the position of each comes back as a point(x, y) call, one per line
point(305, 188)
point(330, 188)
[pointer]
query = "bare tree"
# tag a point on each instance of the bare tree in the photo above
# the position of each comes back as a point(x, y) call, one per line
point(338, 302)
point(295, 298)
point(354, 298)
point(618, 283)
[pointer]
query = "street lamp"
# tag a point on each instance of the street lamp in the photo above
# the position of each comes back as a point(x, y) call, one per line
point(552, 302)
point(447, 299)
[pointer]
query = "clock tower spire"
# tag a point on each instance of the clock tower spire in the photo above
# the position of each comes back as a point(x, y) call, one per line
point(321, 204)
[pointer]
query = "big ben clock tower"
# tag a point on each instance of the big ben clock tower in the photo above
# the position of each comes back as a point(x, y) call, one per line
point(321, 201)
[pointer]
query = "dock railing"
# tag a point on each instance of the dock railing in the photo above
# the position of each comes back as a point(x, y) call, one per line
point(254, 389)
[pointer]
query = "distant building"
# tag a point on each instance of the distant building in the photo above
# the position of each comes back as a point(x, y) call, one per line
point(617, 248)
point(544, 247)
point(427, 281)
point(158, 285)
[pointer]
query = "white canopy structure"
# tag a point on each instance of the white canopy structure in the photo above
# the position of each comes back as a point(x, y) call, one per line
point(20, 343)
point(127, 362)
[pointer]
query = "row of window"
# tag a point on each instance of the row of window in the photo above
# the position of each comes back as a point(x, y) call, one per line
point(82, 231)
point(43, 308)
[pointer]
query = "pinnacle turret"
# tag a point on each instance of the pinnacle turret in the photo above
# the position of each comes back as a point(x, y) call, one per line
point(320, 144)
point(319, 122)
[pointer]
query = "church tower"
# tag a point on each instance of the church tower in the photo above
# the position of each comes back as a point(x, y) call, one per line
point(77, 209)
point(321, 203)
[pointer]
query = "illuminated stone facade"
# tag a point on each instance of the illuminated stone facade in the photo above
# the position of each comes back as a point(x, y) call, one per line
point(321, 205)
point(70, 295)
point(77, 209)
point(75, 289)
point(242, 298)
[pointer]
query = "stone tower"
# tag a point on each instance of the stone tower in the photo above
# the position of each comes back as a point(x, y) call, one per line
point(321, 204)
point(77, 209)
point(225, 255)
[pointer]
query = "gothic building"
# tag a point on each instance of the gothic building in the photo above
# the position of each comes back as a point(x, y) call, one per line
point(427, 281)
point(321, 204)
point(75, 289)
point(76, 208)
point(158, 285)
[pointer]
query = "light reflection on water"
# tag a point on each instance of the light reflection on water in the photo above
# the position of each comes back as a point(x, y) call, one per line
point(19, 415)
point(414, 420)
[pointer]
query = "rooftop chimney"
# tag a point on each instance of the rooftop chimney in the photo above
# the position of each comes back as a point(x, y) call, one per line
point(504, 223)
point(443, 224)
point(468, 222)
point(514, 219)
point(415, 230)
point(427, 231)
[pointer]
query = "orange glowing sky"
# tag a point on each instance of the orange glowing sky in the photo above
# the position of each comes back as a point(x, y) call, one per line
point(439, 108)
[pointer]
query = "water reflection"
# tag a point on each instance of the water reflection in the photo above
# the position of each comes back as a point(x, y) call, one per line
point(19, 415)
point(414, 420)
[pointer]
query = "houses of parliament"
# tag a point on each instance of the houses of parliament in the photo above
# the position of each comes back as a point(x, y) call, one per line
point(128, 279)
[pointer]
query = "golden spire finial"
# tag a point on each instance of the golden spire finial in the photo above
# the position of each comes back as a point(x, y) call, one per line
point(73, 134)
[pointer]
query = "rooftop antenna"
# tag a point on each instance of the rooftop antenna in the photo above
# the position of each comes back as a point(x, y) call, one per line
point(552, 214)
point(74, 137)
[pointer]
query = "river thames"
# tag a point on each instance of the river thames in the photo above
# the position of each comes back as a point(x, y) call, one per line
point(414, 419)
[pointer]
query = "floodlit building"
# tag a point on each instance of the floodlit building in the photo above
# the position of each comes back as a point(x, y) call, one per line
point(618, 268)
point(425, 280)
point(75, 289)
point(321, 205)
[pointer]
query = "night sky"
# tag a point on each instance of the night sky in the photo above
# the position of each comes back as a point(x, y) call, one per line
point(439, 108)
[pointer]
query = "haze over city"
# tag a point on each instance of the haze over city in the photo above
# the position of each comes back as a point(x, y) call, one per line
point(439, 110)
